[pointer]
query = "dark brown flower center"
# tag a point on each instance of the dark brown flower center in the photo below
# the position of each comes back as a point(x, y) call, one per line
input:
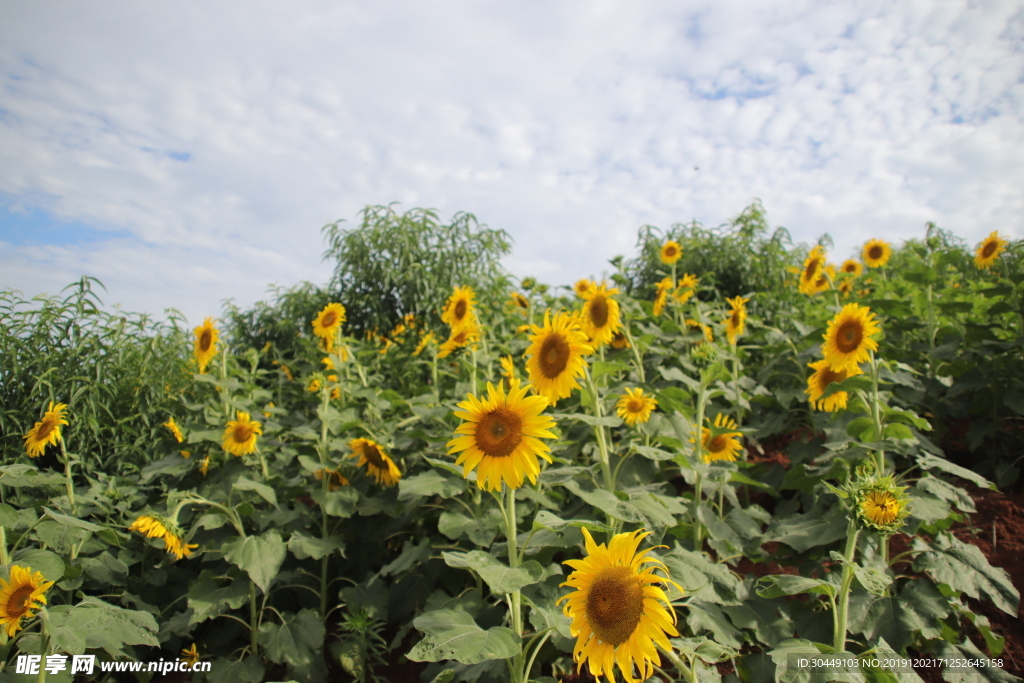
point(615, 603)
point(499, 432)
point(849, 336)
point(827, 377)
point(329, 319)
point(717, 444)
point(989, 249)
point(242, 433)
point(875, 252)
point(554, 355)
point(47, 425)
point(670, 251)
point(374, 456)
point(850, 268)
point(636, 405)
point(735, 320)
point(460, 310)
point(811, 271)
point(206, 340)
point(599, 311)
point(19, 602)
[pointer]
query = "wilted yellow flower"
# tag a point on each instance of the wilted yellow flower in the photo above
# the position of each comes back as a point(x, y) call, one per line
point(46, 431)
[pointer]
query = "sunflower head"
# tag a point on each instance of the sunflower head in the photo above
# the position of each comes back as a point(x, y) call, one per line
point(24, 592)
point(458, 311)
point(500, 436)
point(876, 253)
point(555, 358)
point(600, 316)
point(335, 480)
point(661, 297)
point(174, 429)
point(848, 339)
point(205, 347)
point(519, 301)
point(460, 337)
point(851, 267)
point(810, 275)
point(620, 340)
point(190, 655)
point(377, 462)
point(425, 341)
point(736, 321)
point(635, 407)
point(46, 431)
point(584, 287)
point(619, 611)
point(327, 324)
point(670, 252)
point(692, 324)
point(508, 370)
point(989, 250)
point(721, 441)
point(686, 288)
point(820, 380)
point(882, 505)
point(240, 434)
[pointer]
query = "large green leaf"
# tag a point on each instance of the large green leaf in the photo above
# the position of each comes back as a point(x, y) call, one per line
point(103, 626)
point(962, 567)
point(340, 503)
point(966, 652)
point(896, 619)
point(820, 526)
point(296, 640)
point(606, 502)
point(208, 599)
point(927, 461)
point(790, 667)
point(430, 483)
point(264, 491)
point(498, 576)
point(302, 546)
point(49, 564)
point(8, 515)
point(455, 635)
point(258, 556)
point(777, 585)
point(455, 524)
point(702, 578)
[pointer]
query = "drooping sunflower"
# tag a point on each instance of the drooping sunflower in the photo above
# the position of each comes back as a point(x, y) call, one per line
point(190, 655)
point(989, 250)
point(46, 431)
point(150, 526)
point(174, 545)
point(19, 596)
point(240, 434)
point(662, 295)
point(686, 288)
point(175, 429)
point(205, 347)
point(378, 463)
point(876, 253)
point(459, 309)
point(811, 273)
point(721, 442)
point(328, 323)
point(848, 337)
point(670, 252)
point(635, 407)
point(851, 267)
point(425, 341)
point(501, 436)
point(600, 317)
point(736, 322)
point(697, 327)
point(554, 359)
point(460, 337)
point(508, 370)
point(584, 287)
point(519, 301)
point(620, 340)
point(335, 479)
point(818, 382)
point(619, 613)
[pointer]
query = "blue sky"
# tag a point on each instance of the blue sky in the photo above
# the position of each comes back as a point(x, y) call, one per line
point(189, 153)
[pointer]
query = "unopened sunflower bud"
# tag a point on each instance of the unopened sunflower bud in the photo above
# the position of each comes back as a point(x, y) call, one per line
point(702, 355)
point(882, 505)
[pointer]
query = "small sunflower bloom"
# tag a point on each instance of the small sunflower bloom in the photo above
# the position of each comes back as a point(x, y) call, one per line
point(876, 253)
point(661, 297)
point(460, 337)
point(686, 288)
point(882, 505)
point(425, 341)
point(46, 431)
point(519, 301)
point(600, 316)
point(735, 323)
point(240, 434)
point(335, 479)
point(555, 358)
point(721, 441)
point(175, 429)
point(989, 250)
point(848, 339)
point(458, 312)
point(810, 275)
point(327, 324)
point(620, 341)
point(851, 267)
point(584, 287)
point(635, 407)
point(205, 347)
point(18, 597)
point(820, 380)
point(670, 252)
point(378, 463)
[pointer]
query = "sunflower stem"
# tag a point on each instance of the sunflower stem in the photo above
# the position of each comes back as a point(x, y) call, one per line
point(839, 622)
point(5, 559)
point(698, 456)
point(67, 476)
point(636, 353)
point(687, 671)
point(253, 623)
point(514, 598)
point(602, 444)
point(876, 415)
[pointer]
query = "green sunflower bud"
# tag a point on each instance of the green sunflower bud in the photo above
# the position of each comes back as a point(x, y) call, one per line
point(881, 505)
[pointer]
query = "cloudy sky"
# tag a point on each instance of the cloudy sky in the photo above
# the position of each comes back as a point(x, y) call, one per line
point(184, 153)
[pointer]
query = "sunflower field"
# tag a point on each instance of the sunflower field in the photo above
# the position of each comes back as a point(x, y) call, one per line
point(728, 460)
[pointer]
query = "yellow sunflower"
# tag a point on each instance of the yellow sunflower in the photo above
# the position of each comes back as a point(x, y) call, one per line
point(519, 301)
point(328, 323)
point(240, 434)
point(670, 252)
point(425, 340)
point(735, 324)
point(459, 309)
point(697, 327)
point(335, 480)
point(554, 359)
point(177, 547)
point(501, 436)
point(204, 466)
point(584, 287)
point(600, 318)
point(811, 273)
point(205, 344)
point(634, 407)
point(848, 337)
point(876, 253)
point(149, 526)
point(686, 288)
point(820, 381)
point(46, 431)
point(175, 429)
point(662, 296)
point(620, 341)
point(881, 507)
point(845, 286)
point(371, 454)
point(724, 444)
point(619, 613)
point(460, 337)
point(19, 596)
point(851, 267)
point(989, 250)
point(190, 655)
point(314, 385)
point(508, 370)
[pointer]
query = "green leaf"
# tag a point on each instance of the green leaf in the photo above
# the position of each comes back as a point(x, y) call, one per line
point(652, 453)
point(862, 429)
point(873, 579)
point(208, 599)
point(27, 475)
point(454, 524)
point(702, 578)
point(927, 461)
point(606, 502)
point(302, 546)
point(789, 669)
point(8, 515)
point(340, 503)
point(778, 585)
point(430, 483)
point(499, 577)
point(899, 432)
point(49, 564)
point(916, 610)
point(601, 368)
point(71, 521)
point(967, 652)
point(258, 556)
point(248, 670)
point(820, 526)
point(412, 555)
point(962, 567)
point(708, 650)
point(451, 634)
point(104, 626)
point(265, 492)
point(606, 421)
point(296, 640)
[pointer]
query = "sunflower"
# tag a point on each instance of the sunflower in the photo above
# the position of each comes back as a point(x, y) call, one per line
point(724, 444)
point(584, 287)
point(175, 429)
point(335, 480)
point(811, 273)
point(848, 337)
point(519, 301)
point(204, 466)
point(634, 407)
point(328, 323)
point(424, 341)
point(554, 358)
point(600, 319)
point(46, 431)
point(190, 655)
point(989, 250)
point(820, 381)
point(240, 434)
point(501, 436)
point(508, 370)
point(460, 337)
point(662, 296)
point(737, 320)
point(459, 309)
point(150, 526)
point(686, 288)
point(882, 505)
point(851, 267)
point(845, 286)
point(670, 252)
point(876, 253)
point(177, 547)
point(620, 341)
point(697, 327)
point(314, 385)
point(206, 343)
point(19, 596)
point(618, 612)
point(371, 454)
